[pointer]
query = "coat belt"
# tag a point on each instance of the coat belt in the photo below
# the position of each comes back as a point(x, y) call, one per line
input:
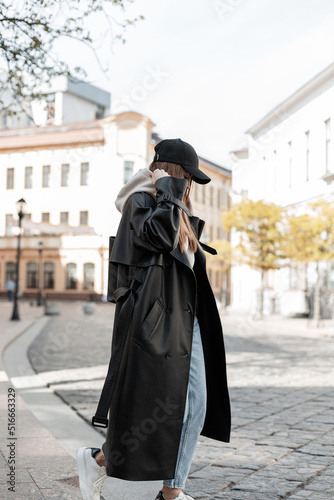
point(114, 376)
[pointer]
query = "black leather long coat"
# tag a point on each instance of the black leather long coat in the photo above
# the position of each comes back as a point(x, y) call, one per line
point(146, 416)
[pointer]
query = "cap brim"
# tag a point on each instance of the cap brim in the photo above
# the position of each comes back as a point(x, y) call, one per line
point(203, 179)
point(198, 176)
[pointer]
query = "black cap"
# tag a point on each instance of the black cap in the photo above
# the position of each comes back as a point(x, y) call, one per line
point(181, 153)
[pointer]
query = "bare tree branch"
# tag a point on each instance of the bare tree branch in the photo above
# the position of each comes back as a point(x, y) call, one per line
point(28, 32)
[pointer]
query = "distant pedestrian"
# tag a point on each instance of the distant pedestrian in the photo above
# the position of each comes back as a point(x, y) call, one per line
point(10, 287)
point(166, 383)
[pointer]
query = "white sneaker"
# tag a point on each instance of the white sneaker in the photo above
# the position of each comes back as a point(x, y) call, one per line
point(91, 475)
point(181, 496)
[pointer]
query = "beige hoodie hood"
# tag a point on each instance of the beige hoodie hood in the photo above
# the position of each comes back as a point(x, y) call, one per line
point(138, 183)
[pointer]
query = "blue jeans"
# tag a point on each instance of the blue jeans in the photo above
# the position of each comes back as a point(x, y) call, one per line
point(194, 414)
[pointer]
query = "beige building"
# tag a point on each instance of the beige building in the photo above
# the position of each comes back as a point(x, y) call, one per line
point(69, 175)
point(209, 201)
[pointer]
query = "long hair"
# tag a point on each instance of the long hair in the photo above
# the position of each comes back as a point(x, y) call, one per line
point(186, 232)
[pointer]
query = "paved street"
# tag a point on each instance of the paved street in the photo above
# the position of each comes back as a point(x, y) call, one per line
point(282, 392)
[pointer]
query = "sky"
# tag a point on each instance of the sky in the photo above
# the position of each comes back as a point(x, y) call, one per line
point(206, 70)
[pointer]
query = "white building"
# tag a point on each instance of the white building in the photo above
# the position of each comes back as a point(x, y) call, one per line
point(66, 101)
point(69, 176)
point(288, 160)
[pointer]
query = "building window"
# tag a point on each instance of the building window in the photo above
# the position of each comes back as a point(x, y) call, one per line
point(211, 196)
point(307, 155)
point(32, 272)
point(45, 216)
point(275, 171)
point(28, 177)
point(84, 170)
point(128, 170)
point(10, 271)
point(27, 216)
point(63, 217)
point(89, 276)
point(210, 276)
point(71, 276)
point(195, 191)
point(211, 232)
point(84, 218)
point(328, 145)
point(290, 163)
point(46, 176)
point(218, 198)
point(9, 224)
point(3, 120)
point(65, 174)
point(99, 112)
point(203, 186)
point(50, 108)
point(264, 175)
point(49, 272)
point(10, 178)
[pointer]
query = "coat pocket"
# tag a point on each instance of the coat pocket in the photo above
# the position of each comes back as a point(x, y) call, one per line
point(147, 329)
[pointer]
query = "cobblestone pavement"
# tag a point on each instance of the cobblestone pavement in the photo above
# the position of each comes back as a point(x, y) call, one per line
point(282, 395)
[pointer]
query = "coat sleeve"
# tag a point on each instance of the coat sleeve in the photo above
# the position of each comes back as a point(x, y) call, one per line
point(157, 227)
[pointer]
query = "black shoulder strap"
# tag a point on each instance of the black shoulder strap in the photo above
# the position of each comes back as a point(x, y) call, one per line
point(176, 201)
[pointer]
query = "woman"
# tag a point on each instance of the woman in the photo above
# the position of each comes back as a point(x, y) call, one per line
point(166, 383)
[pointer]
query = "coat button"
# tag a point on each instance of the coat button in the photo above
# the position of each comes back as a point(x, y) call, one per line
point(168, 311)
point(186, 355)
point(168, 355)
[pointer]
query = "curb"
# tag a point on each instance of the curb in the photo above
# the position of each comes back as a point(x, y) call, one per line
point(70, 430)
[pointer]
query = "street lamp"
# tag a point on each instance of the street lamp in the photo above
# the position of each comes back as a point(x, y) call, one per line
point(20, 206)
point(39, 293)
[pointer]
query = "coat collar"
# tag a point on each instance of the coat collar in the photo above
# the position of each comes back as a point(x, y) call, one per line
point(197, 224)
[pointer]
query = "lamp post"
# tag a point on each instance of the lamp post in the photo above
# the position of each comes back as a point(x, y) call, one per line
point(39, 276)
point(20, 204)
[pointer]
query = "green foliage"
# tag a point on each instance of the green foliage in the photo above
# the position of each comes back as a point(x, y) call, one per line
point(269, 234)
point(261, 232)
point(28, 32)
point(311, 235)
point(222, 261)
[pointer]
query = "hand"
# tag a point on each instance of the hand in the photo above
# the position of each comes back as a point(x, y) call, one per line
point(157, 174)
